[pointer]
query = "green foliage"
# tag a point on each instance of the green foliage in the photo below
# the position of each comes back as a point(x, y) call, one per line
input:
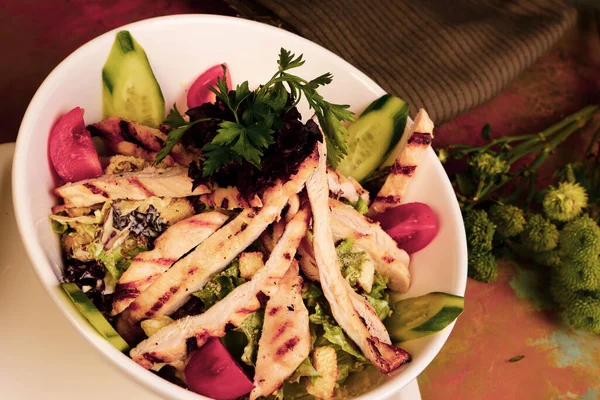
point(487, 165)
point(483, 266)
point(565, 202)
point(579, 274)
point(564, 238)
point(509, 220)
point(580, 239)
point(583, 314)
point(540, 234)
point(549, 258)
point(479, 229)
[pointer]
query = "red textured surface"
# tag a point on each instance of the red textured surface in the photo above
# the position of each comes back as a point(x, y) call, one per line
point(510, 318)
point(37, 35)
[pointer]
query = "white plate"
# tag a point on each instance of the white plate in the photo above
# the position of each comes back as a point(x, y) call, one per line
point(179, 48)
point(48, 358)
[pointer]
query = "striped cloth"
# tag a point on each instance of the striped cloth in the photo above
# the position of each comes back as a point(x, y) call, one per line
point(445, 55)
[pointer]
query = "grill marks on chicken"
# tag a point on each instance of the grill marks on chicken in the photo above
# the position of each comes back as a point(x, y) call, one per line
point(169, 182)
point(190, 274)
point(391, 193)
point(154, 289)
point(360, 323)
point(148, 266)
point(170, 344)
point(390, 260)
point(285, 340)
point(133, 139)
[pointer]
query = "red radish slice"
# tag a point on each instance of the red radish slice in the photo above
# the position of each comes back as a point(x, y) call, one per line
point(199, 93)
point(413, 225)
point(71, 148)
point(212, 372)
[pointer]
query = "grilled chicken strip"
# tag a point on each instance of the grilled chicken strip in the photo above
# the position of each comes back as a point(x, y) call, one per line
point(170, 344)
point(305, 251)
point(419, 139)
point(390, 260)
point(133, 139)
point(191, 273)
point(360, 323)
point(307, 260)
point(345, 187)
point(148, 266)
point(169, 182)
point(285, 340)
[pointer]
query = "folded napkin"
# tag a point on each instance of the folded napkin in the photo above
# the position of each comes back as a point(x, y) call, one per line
point(445, 55)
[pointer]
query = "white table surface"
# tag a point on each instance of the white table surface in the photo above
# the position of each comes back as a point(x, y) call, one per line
point(42, 356)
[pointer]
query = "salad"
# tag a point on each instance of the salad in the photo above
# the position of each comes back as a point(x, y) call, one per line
point(235, 249)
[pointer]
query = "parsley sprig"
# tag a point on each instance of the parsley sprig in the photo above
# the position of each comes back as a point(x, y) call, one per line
point(256, 115)
point(178, 123)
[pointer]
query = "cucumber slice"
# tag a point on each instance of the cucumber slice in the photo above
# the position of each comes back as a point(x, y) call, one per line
point(95, 317)
point(374, 134)
point(129, 87)
point(424, 315)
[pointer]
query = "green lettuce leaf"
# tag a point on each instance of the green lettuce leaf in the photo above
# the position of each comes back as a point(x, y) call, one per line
point(117, 260)
point(336, 336)
point(382, 307)
point(304, 369)
point(319, 317)
point(347, 365)
point(220, 285)
point(351, 261)
point(251, 328)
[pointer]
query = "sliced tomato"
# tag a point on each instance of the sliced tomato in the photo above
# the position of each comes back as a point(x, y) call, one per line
point(199, 93)
point(413, 225)
point(212, 372)
point(71, 148)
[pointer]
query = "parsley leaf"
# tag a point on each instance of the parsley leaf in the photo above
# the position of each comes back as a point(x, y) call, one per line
point(330, 115)
point(175, 119)
point(216, 156)
point(221, 90)
point(245, 142)
point(288, 60)
point(247, 136)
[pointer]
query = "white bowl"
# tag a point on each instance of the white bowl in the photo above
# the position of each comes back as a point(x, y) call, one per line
point(179, 48)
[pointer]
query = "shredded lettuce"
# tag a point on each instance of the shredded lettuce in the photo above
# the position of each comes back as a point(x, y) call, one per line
point(242, 342)
point(379, 297)
point(117, 260)
point(295, 387)
point(220, 285)
point(336, 336)
point(251, 328)
point(311, 293)
point(382, 307)
point(351, 261)
point(347, 365)
point(305, 369)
